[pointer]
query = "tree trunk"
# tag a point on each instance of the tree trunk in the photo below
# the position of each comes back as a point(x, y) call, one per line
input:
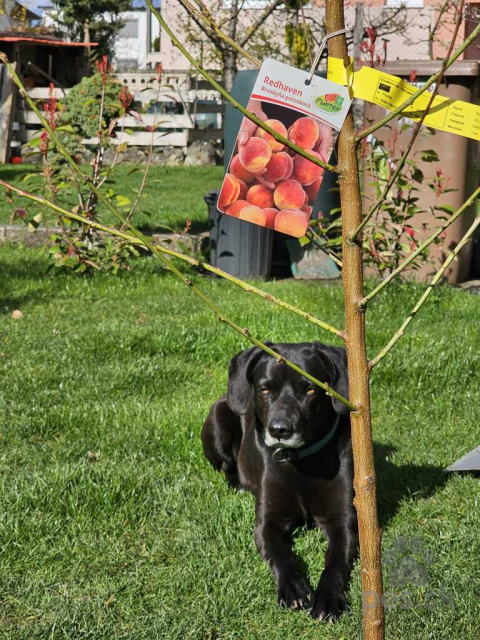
point(86, 38)
point(230, 55)
point(365, 480)
point(230, 61)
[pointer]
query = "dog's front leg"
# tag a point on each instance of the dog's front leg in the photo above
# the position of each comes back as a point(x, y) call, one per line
point(272, 537)
point(329, 599)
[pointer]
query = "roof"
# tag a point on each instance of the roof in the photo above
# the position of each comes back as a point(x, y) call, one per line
point(7, 20)
point(13, 36)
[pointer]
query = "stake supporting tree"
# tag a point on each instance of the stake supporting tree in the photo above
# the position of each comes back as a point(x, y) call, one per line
point(365, 481)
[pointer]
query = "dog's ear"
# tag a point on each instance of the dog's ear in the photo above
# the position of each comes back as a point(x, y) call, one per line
point(336, 360)
point(239, 394)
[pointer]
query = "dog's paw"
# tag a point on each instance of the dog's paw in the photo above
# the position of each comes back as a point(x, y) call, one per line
point(294, 593)
point(327, 605)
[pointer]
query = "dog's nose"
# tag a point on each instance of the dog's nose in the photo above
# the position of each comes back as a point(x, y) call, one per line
point(280, 428)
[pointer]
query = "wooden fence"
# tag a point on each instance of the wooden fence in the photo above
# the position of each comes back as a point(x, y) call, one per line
point(182, 117)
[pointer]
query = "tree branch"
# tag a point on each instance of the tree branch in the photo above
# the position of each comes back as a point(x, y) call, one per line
point(198, 18)
point(398, 334)
point(261, 19)
point(423, 88)
point(415, 132)
point(207, 17)
point(421, 248)
point(315, 240)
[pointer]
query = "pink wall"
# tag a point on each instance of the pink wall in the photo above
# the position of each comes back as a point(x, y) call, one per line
point(408, 44)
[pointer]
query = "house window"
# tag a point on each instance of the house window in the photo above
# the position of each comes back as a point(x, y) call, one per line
point(129, 29)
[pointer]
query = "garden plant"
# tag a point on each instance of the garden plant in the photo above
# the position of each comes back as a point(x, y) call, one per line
point(354, 224)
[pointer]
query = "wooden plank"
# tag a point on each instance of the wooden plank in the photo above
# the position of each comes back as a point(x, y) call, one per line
point(8, 100)
point(167, 95)
point(43, 93)
point(150, 95)
point(144, 138)
point(165, 121)
point(138, 138)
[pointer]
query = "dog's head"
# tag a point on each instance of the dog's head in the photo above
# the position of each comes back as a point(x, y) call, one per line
point(291, 411)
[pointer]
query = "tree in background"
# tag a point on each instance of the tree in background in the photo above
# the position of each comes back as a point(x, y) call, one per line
point(241, 24)
point(92, 21)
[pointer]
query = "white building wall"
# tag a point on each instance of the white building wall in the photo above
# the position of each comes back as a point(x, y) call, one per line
point(131, 42)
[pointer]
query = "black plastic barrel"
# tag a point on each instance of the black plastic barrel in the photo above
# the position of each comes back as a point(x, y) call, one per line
point(238, 247)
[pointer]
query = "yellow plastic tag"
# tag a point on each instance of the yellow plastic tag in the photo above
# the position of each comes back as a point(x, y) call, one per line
point(390, 92)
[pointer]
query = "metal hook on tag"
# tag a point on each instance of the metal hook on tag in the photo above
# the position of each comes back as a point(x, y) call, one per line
point(323, 44)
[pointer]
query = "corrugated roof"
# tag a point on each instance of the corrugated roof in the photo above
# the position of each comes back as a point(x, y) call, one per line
point(12, 36)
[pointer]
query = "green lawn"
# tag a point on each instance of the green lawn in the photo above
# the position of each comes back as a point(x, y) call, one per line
point(112, 523)
point(182, 191)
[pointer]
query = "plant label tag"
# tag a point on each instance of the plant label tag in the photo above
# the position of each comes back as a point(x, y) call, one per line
point(266, 182)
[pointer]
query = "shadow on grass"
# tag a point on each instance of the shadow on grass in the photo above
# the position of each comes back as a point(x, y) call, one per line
point(396, 483)
point(11, 173)
point(12, 284)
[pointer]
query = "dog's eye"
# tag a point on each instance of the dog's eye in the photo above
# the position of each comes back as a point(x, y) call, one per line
point(264, 392)
point(311, 391)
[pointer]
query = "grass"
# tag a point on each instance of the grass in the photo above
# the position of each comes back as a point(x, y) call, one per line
point(112, 523)
point(182, 188)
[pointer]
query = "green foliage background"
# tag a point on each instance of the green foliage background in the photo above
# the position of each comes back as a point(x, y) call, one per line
point(103, 17)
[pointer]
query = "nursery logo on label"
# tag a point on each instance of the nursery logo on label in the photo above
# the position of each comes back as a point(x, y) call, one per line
point(330, 102)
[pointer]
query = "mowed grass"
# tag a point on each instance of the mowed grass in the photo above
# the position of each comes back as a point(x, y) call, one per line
point(182, 190)
point(113, 525)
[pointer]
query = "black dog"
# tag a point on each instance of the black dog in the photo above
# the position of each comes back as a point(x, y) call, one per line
point(286, 441)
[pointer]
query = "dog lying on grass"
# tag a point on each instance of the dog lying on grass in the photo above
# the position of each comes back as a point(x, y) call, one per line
point(282, 438)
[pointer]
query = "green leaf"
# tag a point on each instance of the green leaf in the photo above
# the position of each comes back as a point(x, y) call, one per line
point(31, 175)
point(123, 201)
point(184, 248)
point(417, 175)
point(34, 142)
point(430, 156)
point(448, 208)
